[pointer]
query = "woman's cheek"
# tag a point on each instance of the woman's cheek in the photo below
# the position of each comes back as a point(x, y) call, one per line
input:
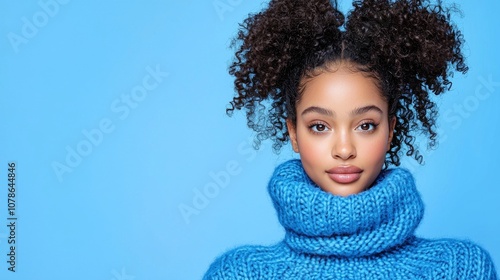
point(316, 146)
point(375, 150)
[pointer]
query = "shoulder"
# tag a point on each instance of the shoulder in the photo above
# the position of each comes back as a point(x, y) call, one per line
point(243, 262)
point(463, 258)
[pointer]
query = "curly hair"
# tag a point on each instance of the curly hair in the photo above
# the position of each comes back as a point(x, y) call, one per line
point(410, 47)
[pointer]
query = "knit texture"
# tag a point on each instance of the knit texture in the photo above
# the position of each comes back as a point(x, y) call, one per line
point(369, 235)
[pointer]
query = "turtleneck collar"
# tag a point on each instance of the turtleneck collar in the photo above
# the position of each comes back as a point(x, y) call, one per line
point(320, 223)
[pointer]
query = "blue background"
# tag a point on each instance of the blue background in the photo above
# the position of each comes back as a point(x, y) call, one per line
point(115, 212)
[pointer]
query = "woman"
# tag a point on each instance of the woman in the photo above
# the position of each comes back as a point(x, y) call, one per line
point(350, 96)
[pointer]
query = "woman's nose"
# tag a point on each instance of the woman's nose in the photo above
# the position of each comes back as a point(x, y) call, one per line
point(343, 147)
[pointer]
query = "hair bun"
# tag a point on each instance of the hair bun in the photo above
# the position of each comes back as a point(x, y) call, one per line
point(278, 39)
point(412, 38)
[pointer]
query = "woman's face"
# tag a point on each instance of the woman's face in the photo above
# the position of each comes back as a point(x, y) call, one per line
point(342, 131)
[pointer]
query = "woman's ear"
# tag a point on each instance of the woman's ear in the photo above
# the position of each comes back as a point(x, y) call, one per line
point(292, 131)
point(392, 125)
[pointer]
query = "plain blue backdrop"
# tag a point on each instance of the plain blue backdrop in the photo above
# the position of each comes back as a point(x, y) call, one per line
point(128, 167)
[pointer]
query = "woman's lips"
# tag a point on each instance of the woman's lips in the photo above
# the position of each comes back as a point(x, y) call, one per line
point(345, 174)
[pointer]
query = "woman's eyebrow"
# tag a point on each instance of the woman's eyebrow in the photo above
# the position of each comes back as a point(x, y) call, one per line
point(362, 110)
point(319, 110)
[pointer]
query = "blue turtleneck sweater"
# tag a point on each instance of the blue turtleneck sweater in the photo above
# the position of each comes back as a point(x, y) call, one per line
point(369, 235)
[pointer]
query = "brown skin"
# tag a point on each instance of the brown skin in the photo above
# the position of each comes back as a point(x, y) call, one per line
point(336, 135)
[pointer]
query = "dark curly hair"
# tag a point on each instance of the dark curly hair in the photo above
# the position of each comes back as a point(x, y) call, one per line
point(410, 47)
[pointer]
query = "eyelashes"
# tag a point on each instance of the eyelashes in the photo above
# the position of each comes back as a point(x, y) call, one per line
point(367, 126)
point(318, 128)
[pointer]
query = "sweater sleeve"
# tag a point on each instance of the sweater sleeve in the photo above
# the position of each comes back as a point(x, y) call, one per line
point(475, 262)
point(219, 269)
point(229, 266)
point(215, 270)
point(487, 269)
point(249, 262)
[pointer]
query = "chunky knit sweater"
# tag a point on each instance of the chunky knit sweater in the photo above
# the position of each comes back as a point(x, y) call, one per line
point(369, 235)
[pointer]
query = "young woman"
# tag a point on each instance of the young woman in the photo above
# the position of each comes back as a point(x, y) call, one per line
point(350, 94)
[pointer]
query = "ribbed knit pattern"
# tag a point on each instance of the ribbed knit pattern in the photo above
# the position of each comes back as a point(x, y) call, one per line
point(369, 235)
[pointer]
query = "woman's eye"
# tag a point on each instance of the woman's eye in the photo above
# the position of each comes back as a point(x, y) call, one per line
point(318, 128)
point(367, 127)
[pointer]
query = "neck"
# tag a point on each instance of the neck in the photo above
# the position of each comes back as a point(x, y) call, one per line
point(320, 223)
